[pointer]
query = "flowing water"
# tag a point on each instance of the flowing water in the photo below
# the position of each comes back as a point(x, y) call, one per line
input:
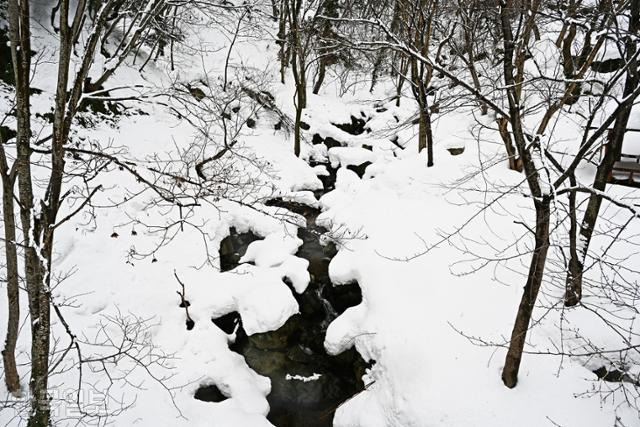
point(307, 384)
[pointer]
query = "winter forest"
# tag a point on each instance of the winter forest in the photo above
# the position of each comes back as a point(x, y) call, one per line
point(311, 213)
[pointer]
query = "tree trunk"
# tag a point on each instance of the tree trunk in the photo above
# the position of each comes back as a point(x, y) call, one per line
point(36, 282)
point(11, 376)
point(513, 66)
point(329, 8)
point(37, 291)
point(40, 319)
point(19, 35)
point(282, 38)
point(298, 69)
point(515, 163)
point(39, 314)
point(422, 131)
point(404, 67)
point(301, 100)
point(468, 47)
point(420, 98)
point(377, 67)
point(425, 134)
point(569, 65)
point(322, 70)
point(476, 83)
point(296, 132)
point(427, 122)
point(573, 292)
point(529, 296)
point(573, 287)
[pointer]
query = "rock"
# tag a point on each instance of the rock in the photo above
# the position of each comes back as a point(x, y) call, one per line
point(615, 376)
point(295, 207)
point(233, 247)
point(328, 181)
point(330, 142)
point(359, 169)
point(455, 151)
point(209, 393)
point(278, 339)
point(196, 92)
point(343, 296)
point(228, 322)
point(300, 354)
point(356, 127)
point(268, 363)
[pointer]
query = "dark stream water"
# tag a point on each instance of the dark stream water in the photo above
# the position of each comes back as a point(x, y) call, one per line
point(296, 350)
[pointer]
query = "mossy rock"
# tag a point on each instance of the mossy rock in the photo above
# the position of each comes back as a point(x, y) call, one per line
point(278, 339)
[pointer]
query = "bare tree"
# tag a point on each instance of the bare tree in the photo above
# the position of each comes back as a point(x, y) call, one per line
point(326, 56)
point(11, 376)
point(423, 16)
point(300, 22)
point(526, 96)
point(628, 43)
point(39, 215)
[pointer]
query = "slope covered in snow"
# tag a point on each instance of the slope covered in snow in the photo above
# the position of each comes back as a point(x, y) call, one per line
point(420, 243)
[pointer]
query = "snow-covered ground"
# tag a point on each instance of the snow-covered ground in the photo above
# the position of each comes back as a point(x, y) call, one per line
point(423, 291)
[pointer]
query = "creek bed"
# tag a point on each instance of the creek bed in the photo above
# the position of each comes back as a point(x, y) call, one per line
point(307, 384)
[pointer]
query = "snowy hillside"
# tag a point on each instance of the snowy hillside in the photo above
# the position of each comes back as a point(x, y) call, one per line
point(205, 275)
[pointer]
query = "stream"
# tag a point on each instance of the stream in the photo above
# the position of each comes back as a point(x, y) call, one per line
point(307, 384)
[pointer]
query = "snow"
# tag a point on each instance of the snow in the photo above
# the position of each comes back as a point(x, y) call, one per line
point(397, 234)
point(314, 377)
point(419, 355)
point(272, 250)
point(345, 156)
point(277, 250)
